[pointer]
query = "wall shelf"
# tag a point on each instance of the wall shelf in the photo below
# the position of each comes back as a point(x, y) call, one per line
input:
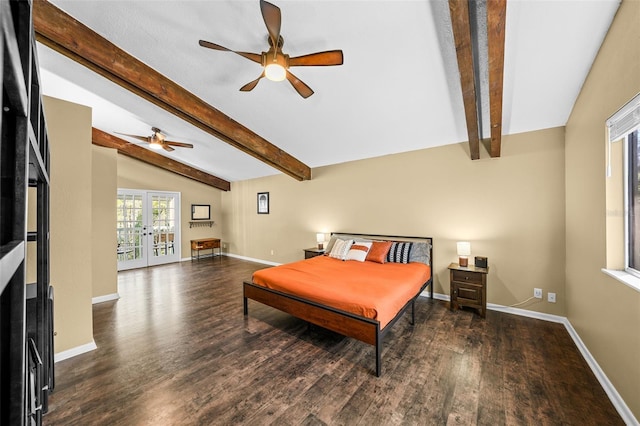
point(201, 223)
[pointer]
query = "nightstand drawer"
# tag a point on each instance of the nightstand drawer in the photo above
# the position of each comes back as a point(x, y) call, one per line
point(466, 276)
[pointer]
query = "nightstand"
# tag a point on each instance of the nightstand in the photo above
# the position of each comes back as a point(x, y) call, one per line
point(313, 252)
point(468, 287)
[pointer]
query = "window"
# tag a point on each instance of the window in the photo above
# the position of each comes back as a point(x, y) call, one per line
point(632, 201)
point(623, 195)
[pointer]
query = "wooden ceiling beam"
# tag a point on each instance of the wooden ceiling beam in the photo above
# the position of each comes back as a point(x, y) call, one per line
point(64, 34)
point(496, 24)
point(100, 138)
point(459, 10)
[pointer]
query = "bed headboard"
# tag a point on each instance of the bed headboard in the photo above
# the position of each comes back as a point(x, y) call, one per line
point(377, 237)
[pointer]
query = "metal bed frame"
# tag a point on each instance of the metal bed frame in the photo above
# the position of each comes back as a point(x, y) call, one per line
point(366, 330)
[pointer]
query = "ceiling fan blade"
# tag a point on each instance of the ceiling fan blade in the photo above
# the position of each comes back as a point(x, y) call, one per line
point(330, 57)
point(272, 19)
point(180, 144)
point(252, 84)
point(251, 56)
point(304, 90)
point(140, 138)
point(167, 147)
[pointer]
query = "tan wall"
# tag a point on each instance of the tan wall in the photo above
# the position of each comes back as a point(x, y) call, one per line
point(134, 174)
point(605, 312)
point(104, 191)
point(69, 129)
point(83, 219)
point(511, 209)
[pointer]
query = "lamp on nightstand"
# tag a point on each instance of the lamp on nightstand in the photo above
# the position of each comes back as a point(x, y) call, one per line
point(464, 250)
point(320, 240)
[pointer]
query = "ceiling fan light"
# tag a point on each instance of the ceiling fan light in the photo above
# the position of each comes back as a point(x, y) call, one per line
point(275, 72)
point(155, 145)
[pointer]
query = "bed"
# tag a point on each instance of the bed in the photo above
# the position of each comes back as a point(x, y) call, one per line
point(312, 289)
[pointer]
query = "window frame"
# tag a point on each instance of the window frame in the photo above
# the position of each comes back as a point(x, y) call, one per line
point(631, 151)
point(619, 126)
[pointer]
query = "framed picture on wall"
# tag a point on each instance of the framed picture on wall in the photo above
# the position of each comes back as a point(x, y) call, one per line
point(263, 203)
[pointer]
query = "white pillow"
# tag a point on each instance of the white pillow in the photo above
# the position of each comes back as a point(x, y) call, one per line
point(340, 249)
point(359, 251)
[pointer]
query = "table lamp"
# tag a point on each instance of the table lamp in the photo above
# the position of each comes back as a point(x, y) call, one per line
point(464, 250)
point(320, 240)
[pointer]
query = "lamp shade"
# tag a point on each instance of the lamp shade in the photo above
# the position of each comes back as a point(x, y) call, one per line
point(320, 237)
point(464, 248)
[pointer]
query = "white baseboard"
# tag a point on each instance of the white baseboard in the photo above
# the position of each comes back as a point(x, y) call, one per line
point(610, 390)
point(251, 259)
point(615, 398)
point(105, 298)
point(70, 353)
point(206, 256)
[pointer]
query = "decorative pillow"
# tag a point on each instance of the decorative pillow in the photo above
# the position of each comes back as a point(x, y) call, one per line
point(358, 251)
point(378, 251)
point(420, 252)
point(399, 252)
point(340, 249)
point(330, 244)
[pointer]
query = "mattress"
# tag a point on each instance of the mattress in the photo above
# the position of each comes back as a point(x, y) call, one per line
point(372, 290)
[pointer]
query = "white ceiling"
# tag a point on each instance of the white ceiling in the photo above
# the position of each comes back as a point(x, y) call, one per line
point(398, 90)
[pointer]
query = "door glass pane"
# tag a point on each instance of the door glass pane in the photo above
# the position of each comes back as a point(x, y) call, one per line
point(129, 227)
point(163, 224)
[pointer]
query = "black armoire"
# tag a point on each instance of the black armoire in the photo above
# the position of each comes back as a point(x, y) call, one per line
point(26, 309)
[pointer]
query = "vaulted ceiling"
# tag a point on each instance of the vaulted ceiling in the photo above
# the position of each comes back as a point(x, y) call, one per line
point(398, 90)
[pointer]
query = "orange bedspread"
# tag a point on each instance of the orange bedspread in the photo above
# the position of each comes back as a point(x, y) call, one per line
point(368, 289)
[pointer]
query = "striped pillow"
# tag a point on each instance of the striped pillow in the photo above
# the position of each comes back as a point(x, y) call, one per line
point(340, 249)
point(399, 252)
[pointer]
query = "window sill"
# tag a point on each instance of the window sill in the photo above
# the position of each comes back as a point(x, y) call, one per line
point(624, 277)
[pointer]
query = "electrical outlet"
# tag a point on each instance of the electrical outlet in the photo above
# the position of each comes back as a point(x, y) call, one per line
point(271, 252)
point(551, 297)
point(224, 246)
point(537, 293)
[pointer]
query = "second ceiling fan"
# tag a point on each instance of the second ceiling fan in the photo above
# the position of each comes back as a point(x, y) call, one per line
point(275, 63)
point(157, 140)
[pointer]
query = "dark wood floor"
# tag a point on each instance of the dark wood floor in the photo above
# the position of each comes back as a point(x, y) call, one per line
point(176, 349)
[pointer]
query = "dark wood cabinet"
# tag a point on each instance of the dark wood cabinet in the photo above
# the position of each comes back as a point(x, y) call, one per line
point(313, 252)
point(468, 287)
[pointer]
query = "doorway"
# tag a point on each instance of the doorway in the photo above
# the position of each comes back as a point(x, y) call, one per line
point(148, 228)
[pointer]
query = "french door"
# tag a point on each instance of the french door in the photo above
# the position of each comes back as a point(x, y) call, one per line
point(148, 228)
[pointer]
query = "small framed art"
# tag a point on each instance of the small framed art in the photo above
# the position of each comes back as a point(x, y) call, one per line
point(263, 203)
point(200, 212)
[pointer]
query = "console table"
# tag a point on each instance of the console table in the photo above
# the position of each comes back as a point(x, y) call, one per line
point(205, 244)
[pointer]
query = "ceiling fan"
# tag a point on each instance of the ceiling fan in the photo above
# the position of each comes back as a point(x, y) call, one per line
point(275, 63)
point(157, 140)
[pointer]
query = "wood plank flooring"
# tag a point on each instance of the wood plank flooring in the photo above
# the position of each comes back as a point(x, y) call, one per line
point(176, 349)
